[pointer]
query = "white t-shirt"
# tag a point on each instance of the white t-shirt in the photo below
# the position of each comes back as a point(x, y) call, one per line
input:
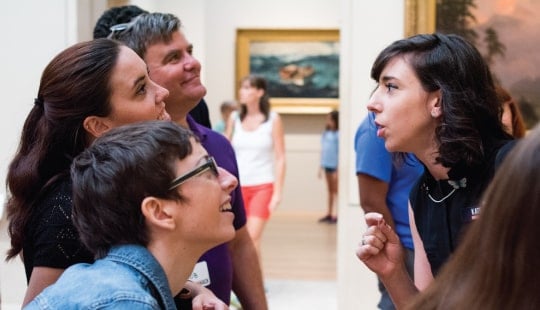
point(254, 152)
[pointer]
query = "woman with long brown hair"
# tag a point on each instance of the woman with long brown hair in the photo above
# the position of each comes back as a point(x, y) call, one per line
point(86, 90)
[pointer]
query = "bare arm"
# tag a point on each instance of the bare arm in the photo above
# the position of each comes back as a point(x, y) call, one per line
point(247, 274)
point(278, 136)
point(422, 269)
point(373, 197)
point(41, 278)
point(229, 126)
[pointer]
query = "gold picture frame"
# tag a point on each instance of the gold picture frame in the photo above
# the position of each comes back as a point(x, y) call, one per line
point(420, 16)
point(289, 43)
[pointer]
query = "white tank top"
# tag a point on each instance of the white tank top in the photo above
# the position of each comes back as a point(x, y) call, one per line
point(254, 152)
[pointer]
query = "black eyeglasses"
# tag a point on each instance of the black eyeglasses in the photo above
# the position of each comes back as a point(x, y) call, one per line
point(209, 164)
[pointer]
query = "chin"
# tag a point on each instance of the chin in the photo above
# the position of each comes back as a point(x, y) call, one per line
point(226, 236)
point(389, 146)
point(231, 234)
point(202, 90)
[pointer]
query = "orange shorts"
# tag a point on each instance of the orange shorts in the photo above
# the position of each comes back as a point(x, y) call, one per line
point(257, 200)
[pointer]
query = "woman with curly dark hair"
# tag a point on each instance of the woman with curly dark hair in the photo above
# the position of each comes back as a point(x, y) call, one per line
point(435, 98)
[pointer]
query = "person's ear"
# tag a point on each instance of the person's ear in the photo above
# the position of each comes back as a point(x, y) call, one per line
point(96, 126)
point(435, 105)
point(158, 212)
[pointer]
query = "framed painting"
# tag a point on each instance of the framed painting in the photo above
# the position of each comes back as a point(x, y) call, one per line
point(419, 16)
point(301, 67)
point(507, 34)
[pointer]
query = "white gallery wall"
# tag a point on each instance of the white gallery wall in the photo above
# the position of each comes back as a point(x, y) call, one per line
point(36, 30)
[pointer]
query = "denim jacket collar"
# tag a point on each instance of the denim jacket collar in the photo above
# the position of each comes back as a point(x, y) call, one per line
point(143, 261)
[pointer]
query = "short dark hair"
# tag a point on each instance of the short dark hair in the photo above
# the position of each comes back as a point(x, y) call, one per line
point(334, 115)
point(148, 29)
point(470, 109)
point(114, 16)
point(113, 176)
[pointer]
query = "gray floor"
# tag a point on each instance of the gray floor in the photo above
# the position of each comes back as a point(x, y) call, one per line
point(297, 294)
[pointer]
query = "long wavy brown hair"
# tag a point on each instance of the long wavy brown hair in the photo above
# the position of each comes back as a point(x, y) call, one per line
point(74, 85)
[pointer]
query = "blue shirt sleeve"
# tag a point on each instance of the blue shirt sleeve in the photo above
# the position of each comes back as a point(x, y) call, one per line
point(372, 158)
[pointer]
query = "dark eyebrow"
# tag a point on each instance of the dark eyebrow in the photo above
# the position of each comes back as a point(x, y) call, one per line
point(387, 78)
point(138, 81)
point(204, 159)
point(170, 54)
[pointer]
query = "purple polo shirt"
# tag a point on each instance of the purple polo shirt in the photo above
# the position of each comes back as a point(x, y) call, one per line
point(218, 259)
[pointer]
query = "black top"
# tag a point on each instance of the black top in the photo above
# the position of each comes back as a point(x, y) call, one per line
point(442, 209)
point(200, 114)
point(51, 240)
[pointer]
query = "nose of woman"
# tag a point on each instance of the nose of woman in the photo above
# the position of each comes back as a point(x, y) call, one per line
point(161, 93)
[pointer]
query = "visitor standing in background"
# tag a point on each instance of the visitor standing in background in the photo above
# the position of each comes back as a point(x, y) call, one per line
point(226, 108)
point(511, 117)
point(257, 136)
point(329, 164)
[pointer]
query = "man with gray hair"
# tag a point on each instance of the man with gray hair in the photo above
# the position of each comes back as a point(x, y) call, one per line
point(123, 15)
point(159, 41)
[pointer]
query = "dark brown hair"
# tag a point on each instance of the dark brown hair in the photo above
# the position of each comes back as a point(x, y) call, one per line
point(471, 113)
point(113, 17)
point(518, 124)
point(264, 103)
point(112, 177)
point(74, 85)
point(334, 115)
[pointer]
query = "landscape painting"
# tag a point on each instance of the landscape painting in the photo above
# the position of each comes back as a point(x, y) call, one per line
point(300, 66)
point(297, 69)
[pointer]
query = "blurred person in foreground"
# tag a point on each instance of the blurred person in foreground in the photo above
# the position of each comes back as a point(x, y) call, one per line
point(496, 266)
